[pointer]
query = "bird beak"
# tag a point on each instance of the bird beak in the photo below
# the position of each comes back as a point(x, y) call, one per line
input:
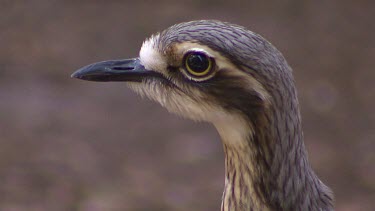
point(116, 70)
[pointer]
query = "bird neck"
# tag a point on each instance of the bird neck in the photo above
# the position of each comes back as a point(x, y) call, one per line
point(266, 166)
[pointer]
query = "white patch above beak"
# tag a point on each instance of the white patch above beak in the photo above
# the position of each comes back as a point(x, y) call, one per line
point(151, 58)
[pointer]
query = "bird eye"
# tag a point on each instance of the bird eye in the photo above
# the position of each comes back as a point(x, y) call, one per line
point(198, 64)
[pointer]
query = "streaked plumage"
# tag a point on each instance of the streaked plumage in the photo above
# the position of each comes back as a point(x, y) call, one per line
point(248, 95)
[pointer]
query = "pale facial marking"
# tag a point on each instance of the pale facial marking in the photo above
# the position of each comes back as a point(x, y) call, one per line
point(150, 57)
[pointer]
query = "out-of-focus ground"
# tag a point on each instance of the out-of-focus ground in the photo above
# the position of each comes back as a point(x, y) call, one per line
point(67, 144)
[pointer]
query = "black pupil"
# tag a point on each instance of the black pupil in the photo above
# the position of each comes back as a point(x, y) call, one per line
point(198, 62)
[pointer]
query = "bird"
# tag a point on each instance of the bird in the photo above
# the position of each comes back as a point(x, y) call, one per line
point(233, 78)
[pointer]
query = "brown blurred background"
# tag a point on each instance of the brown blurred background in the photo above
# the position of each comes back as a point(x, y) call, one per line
point(67, 144)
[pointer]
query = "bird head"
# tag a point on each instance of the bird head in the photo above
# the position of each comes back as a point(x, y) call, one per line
point(204, 70)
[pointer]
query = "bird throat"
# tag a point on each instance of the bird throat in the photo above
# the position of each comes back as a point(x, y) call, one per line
point(241, 169)
point(239, 191)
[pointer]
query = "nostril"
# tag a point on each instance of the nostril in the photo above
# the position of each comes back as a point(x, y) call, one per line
point(122, 68)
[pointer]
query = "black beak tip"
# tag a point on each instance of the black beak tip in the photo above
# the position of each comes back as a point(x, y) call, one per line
point(78, 74)
point(75, 75)
point(82, 73)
